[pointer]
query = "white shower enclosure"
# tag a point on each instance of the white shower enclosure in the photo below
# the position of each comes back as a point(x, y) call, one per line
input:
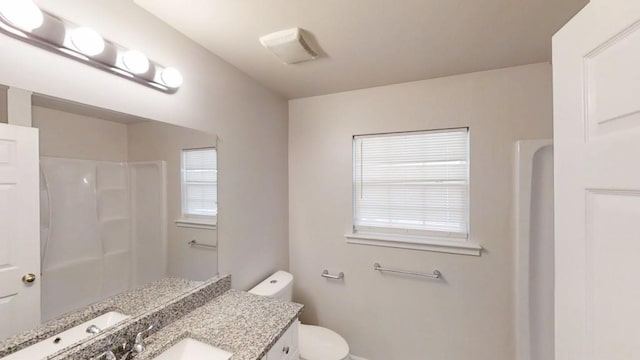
point(534, 250)
point(103, 230)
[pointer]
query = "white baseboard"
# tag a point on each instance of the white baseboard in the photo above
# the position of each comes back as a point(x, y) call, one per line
point(353, 357)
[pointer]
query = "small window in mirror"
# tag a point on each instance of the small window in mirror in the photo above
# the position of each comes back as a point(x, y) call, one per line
point(199, 180)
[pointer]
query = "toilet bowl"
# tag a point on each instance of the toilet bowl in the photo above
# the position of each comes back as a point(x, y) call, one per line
point(315, 342)
point(319, 343)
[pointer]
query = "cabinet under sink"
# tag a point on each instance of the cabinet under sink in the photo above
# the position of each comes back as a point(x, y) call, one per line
point(286, 348)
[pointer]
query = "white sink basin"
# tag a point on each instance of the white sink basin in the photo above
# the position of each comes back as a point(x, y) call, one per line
point(190, 349)
point(66, 338)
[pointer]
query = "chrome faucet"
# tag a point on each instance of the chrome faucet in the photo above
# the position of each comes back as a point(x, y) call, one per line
point(139, 345)
point(110, 355)
point(92, 329)
point(125, 356)
point(107, 355)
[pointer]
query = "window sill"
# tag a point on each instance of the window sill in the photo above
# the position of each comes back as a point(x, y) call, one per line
point(415, 243)
point(209, 224)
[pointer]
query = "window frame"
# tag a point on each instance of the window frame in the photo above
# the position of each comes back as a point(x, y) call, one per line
point(192, 220)
point(406, 238)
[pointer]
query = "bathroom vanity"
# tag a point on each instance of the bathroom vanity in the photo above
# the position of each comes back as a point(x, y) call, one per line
point(251, 327)
point(286, 347)
point(248, 326)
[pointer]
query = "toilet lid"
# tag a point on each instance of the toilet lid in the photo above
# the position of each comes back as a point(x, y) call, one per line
point(318, 343)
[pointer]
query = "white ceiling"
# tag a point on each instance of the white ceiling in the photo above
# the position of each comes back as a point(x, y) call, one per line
point(371, 42)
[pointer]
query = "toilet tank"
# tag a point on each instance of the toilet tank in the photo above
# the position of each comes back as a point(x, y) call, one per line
point(277, 286)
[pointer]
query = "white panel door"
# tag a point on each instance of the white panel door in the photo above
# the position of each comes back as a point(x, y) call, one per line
point(596, 65)
point(19, 230)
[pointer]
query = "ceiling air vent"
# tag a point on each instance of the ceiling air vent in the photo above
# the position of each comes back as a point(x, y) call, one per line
point(289, 46)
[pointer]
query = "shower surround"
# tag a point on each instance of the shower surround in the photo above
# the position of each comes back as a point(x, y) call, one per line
point(103, 230)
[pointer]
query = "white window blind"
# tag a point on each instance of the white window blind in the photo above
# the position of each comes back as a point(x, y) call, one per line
point(199, 183)
point(412, 183)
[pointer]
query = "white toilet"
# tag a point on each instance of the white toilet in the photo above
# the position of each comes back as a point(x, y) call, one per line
point(315, 342)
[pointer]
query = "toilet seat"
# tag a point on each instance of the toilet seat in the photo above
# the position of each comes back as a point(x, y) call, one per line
point(318, 343)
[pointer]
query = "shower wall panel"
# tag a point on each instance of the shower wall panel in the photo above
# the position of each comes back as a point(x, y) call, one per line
point(148, 207)
point(102, 230)
point(72, 268)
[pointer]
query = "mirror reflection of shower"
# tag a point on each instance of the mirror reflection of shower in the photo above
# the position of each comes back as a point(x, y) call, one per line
point(111, 199)
point(102, 230)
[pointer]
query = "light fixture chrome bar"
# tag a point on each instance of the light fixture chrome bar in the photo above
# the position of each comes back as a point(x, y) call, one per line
point(195, 243)
point(434, 275)
point(340, 276)
point(55, 35)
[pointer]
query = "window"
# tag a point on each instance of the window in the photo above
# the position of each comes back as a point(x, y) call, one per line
point(412, 188)
point(199, 178)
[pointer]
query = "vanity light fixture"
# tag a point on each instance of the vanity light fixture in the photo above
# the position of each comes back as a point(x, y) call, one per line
point(87, 41)
point(135, 61)
point(24, 15)
point(171, 77)
point(23, 20)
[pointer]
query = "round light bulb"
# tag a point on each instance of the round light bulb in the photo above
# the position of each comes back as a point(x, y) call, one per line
point(23, 14)
point(135, 61)
point(171, 77)
point(87, 41)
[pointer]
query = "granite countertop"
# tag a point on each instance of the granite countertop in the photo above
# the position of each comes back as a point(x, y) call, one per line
point(132, 302)
point(161, 316)
point(245, 324)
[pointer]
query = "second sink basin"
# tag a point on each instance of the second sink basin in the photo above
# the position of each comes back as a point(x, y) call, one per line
point(190, 349)
point(62, 340)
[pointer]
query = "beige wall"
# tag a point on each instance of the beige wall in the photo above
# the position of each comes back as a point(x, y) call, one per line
point(469, 314)
point(3, 105)
point(157, 141)
point(67, 135)
point(250, 120)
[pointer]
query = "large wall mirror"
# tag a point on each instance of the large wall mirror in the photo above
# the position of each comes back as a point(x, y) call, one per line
point(124, 201)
